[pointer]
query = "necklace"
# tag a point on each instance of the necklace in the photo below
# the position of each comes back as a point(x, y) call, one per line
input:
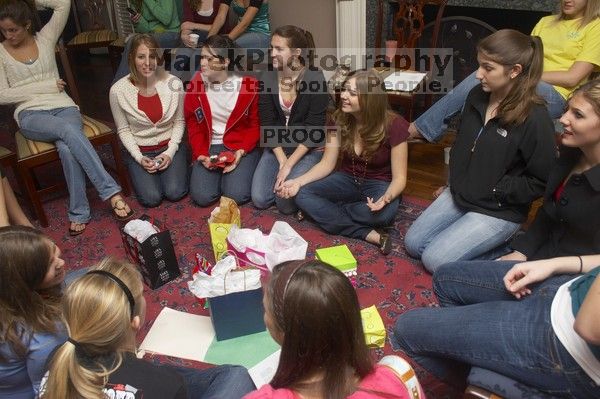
point(358, 179)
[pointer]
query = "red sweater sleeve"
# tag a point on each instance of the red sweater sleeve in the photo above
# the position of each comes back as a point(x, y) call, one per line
point(196, 132)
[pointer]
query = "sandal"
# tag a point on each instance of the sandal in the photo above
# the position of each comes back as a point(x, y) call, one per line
point(74, 233)
point(385, 242)
point(299, 216)
point(121, 205)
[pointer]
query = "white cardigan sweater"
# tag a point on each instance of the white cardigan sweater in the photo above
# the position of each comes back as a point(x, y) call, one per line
point(134, 127)
point(33, 87)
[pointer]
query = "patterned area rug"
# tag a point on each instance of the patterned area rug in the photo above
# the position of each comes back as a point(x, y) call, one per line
point(394, 283)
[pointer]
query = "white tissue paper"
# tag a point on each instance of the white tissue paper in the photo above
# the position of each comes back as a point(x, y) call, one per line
point(224, 280)
point(139, 229)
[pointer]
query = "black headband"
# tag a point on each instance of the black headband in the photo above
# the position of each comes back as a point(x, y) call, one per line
point(121, 284)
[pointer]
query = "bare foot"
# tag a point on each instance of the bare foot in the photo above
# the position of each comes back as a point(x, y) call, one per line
point(76, 228)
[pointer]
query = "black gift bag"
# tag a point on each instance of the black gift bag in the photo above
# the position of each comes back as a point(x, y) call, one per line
point(155, 256)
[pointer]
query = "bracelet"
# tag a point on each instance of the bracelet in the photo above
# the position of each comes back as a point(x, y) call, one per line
point(580, 264)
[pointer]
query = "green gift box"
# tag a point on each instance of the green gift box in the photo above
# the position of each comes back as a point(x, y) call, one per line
point(339, 257)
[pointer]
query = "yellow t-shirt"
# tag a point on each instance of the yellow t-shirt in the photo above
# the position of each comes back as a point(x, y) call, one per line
point(565, 42)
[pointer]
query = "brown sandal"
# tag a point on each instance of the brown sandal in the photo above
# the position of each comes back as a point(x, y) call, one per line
point(121, 205)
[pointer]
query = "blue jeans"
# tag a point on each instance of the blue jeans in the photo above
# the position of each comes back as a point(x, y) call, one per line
point(339, 205)
point(445, 233)
point(432, 123)
point(254, 40)
point(64, 128)
point(171, 183)
point(481, 324)
point(166, 40)
point(220, 382)
point(207, 186)
point(266, 174)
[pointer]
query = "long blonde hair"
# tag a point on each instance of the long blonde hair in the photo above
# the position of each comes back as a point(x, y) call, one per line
point(98, 317)
point(591, 12)
point(375, 115)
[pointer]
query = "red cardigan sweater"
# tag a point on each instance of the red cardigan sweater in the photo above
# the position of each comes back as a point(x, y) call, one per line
point(243, 127)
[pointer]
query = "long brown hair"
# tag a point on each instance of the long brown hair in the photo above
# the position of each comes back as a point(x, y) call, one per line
point(21, 12)
point(98, 316)
point(591, 12)
point(25, 256)
point(374, 112)
point(509, 47)
point(315, 307)
point(297, 38)
point(149, 41)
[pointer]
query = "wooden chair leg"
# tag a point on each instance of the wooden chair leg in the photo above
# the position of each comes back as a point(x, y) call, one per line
point(30, 190)
point(120, 166)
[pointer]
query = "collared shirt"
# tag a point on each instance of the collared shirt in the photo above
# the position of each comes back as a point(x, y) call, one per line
point(571, 225)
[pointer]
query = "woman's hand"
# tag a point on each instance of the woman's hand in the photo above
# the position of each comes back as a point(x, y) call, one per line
point(148, 164)
point(284, 171)
point(205, 161)
point(61, 84)
point(514, 255)
point(185, 39)
point(238, 157)
point(518, 279)
point(288, 189)
point(163, 161)
point(378, 205)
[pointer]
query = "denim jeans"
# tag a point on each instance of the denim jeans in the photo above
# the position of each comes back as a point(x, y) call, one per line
point(166, 40)
point(481, 324)
point(171, 183)
point(266, 174)
point(220, 382)
point(64, 128)
point(254, 40)
point(339, 205)
point(446, 233)
point(432, 123)
point(207, 186)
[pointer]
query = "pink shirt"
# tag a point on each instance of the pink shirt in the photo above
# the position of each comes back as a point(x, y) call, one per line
point(382, 383)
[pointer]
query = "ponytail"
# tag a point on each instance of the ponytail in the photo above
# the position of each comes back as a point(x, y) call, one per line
point(297, 38)
point(509, 47)
point(97, 310)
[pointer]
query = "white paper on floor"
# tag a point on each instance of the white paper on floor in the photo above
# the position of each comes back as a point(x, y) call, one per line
point(179, 334)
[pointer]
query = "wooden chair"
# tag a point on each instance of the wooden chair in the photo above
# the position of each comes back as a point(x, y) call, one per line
point(97, 37)
point(32, 154)
point(408, 25)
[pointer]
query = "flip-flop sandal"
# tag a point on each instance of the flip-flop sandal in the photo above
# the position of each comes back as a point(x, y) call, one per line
point(116, 207)
point(385, 241)
point(74, 233)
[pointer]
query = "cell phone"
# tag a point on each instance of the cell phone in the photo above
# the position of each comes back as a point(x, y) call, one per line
point(131, 11)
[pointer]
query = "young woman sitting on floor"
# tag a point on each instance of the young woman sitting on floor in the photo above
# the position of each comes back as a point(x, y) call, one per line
point(103, 310)
point(221, 113)
point(526, 316)
point(293, 98)
point(148, 110)
point(323, 351)
point(362, 197)
point(571, 42)
point(31, 277)
point(29, 79)
point(499, 163)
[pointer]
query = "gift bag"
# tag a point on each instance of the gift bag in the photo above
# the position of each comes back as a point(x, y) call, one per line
point(221, 219)
point(235, 298)
point(254, 249)
point(373, 327)
point(155, 256)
